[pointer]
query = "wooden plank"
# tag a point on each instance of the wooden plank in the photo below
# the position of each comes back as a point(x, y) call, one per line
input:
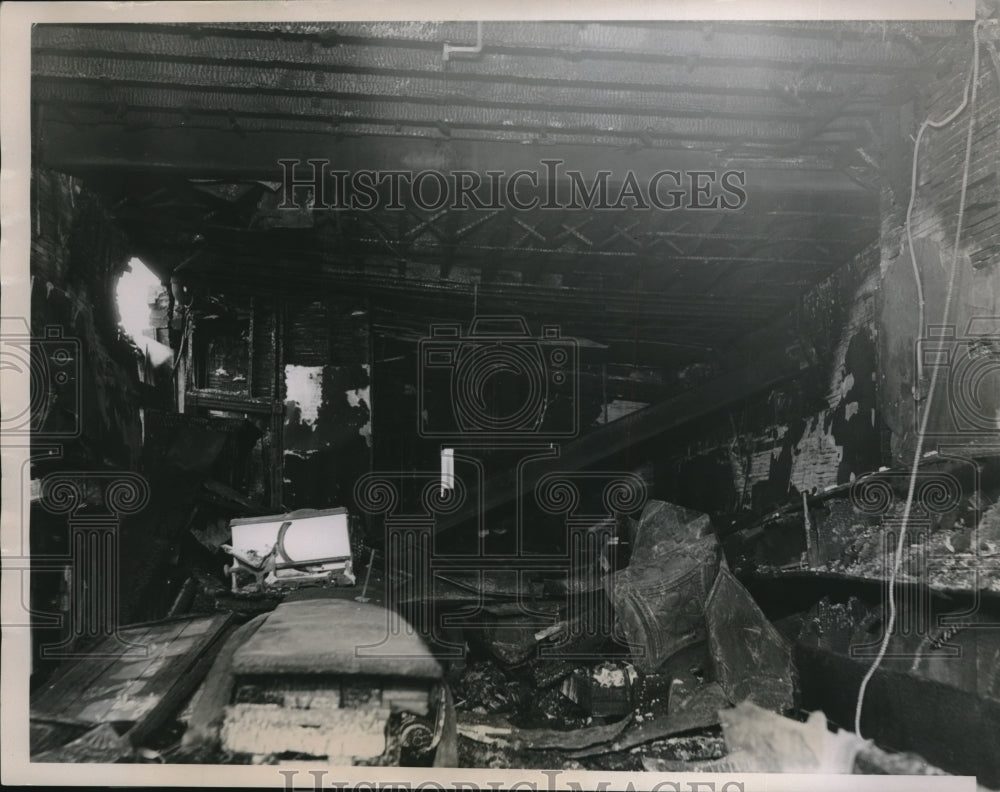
point(115, 694)
point(192, 668)
point(60, 697)
point(546, 49)
point(145, 683)
point(644, 41)
point(208, 708)
point(438, 89)
point(656, 119)
point(45, 736)
point(171, 112)
point(123, 687)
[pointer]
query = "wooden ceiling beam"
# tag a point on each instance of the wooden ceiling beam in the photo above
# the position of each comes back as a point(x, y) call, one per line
point(214, 82)
point(628, 306)
point(831, 30)
point(819, 154)
point(257, 111)
point(591, 40)
point(66, 144)
point(798, 79)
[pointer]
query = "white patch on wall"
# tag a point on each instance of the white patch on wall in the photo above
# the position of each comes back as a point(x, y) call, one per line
point(845, 385)
point(304, 387)
point(619, 408)
point(815, 459)
point(851, 410)
point(363, 395)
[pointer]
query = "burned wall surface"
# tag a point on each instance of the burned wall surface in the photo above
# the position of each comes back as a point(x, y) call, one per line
point(328, 404)
point(77, 255)
point(84, 379)
point(965, 408)
point(814, 431)
point(856, 410)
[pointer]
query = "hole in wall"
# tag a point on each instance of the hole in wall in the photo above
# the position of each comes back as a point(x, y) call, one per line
point(137, 292)
point(142, 303)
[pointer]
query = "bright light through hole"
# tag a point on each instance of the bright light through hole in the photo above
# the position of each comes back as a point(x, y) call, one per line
point(136, 290)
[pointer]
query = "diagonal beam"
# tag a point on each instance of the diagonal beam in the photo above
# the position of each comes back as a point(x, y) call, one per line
point(618, 436)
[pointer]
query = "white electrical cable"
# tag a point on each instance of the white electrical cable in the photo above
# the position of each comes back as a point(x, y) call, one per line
point(969, 98)
point(943, 122)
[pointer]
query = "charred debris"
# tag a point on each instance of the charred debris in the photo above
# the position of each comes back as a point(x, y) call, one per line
point(657, 530)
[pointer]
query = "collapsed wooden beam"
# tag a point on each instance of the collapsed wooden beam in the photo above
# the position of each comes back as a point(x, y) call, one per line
point(617, 436)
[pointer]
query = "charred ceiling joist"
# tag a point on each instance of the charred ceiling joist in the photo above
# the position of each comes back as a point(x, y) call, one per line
point(797, 109)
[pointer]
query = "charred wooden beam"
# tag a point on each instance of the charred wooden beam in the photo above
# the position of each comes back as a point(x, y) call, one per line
point(579, 40)
point(643, 425)
point(215, 83)
point(762, 70)
point(626, 306)
point(831, 30)
point(565, 40)
point(87, 144)
point(238, 115)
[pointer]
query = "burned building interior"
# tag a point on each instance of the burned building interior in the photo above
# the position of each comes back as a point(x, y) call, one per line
point(647, 419)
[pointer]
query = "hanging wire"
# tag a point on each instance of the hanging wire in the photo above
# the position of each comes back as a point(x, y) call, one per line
point(968, 98)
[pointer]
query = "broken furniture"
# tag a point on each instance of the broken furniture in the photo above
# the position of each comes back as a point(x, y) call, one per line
point(338, 680)
point(307, 545)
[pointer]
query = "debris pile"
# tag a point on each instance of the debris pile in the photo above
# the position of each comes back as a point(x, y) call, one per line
point(685, 640)
point(952, 538)
point(667, 663)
